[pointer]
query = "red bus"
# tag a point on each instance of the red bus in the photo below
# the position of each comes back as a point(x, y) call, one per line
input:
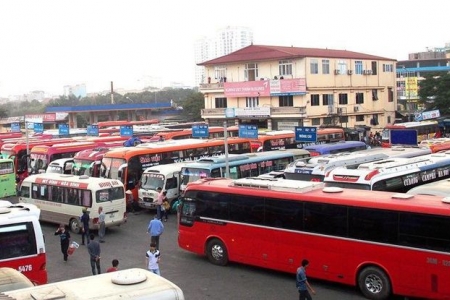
point(214, 132)
point(385, 243)
point(10, 135)
point(425, 130)
point(18, 153)
point(88, 162)
point(41, 156)
point(285, 139)
point(22, 244)
point(128, 163)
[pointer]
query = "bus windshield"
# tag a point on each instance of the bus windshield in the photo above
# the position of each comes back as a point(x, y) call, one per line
point(83, 167)
point(38, 162)
point(150, 181)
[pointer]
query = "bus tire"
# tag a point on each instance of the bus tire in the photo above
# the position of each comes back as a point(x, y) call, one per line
point(74, 226)
point(374, 283)
point(217, 252)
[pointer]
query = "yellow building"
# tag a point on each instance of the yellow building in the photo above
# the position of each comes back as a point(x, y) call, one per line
point(279, 88)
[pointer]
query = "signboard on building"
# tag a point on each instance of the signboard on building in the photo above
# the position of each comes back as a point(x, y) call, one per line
point(283, 125)
point(252, 112)
point(40, 118)
point(305, 134)
point(200, 131)
point(265, 88)
point(248, 131)
point(427, 115)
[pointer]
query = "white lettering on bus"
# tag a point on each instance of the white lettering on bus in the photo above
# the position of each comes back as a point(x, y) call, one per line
point(443, 172)
point(429, 176)
point(410, 181)
point(25, 268)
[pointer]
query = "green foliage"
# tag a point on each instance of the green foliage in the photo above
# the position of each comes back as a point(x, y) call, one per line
point(434, 92)
point(192, 107)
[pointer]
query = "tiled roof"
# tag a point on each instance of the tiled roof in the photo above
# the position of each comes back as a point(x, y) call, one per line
point(265, 53)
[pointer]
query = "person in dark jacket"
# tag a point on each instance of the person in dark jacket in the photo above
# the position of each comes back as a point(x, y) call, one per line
point(84, 226)
point(94, 254)
point(64, 237)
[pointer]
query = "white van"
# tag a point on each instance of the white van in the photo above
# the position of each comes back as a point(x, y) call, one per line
point(126, 284)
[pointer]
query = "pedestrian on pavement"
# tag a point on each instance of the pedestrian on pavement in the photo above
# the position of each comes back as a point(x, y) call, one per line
point(152, 259)
point(94, 254)
point(101, 224)
point(302, 282)
point(165, 206)
point(155, 229)
point(115, 266)
point(84, 225)
point(159, 202)
point(64, 237)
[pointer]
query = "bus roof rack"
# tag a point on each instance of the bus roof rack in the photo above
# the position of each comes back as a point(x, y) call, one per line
point(278, 184)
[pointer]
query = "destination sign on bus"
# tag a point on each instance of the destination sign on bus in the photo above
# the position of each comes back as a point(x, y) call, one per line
point(63, 129)
point(404, 137)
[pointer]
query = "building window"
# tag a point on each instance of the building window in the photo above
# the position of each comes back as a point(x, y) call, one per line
point(285, 67)
point(390, 95)
point(343, 119)
point(374, 94)
point(374, 120)
point(252, 102)
point(315, 100)
point(221, 102)
point(251, 72)
point(388, 68)
point(286, 101)
point(325, 66)
point(314, 66)
point(315, 121)
point(343, 99)
point(327, 99)
point(389, 119)
point(327, 120)
point(342, 66)
point(358, 67)
point(220, 73)
point(374, 68)
point(359, 98)
point(359, 118)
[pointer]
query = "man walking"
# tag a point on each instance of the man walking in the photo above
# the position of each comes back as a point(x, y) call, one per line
point(85, 226)
point(302, 282)
point(155, 229)
point(159, 202)
point(101, 224)
point(94, 254)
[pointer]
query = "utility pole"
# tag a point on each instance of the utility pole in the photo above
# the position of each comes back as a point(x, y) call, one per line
point(112, 93)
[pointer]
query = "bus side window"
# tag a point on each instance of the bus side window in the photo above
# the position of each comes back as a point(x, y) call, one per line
point(171, 183)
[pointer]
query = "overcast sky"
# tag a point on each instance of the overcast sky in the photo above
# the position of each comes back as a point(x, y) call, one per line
point(47, 44)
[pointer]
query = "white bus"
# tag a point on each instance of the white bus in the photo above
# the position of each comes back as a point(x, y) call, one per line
point(437, 188)
point(317, 167)
point(395, 174)
point(22, 241)
point(125, 284)
point(168, 177)
point(62, 197)
point(60, 166)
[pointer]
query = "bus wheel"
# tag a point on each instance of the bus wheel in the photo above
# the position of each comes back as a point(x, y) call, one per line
point(74, 227)
point(217, 252)
point(374, 283)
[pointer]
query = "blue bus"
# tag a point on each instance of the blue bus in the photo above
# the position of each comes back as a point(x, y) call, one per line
point(240, 165)
point(333, 148)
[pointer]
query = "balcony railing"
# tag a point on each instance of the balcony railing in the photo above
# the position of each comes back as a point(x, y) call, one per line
point(211, 86)
point(274, 111)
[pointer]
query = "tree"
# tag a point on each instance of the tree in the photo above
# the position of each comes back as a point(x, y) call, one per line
point(192, 107)
point(434, 92)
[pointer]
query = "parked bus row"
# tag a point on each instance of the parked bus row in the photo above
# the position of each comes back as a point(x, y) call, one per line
point(385, 243)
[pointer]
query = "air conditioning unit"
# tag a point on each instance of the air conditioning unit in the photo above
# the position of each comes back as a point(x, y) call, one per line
point(349, 72)
point(337, 72)
point(356, 108)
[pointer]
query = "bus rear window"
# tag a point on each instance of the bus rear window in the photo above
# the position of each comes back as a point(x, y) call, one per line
point(17, 240)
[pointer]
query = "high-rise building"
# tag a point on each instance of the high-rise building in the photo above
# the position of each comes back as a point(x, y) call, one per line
point(226, 41)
